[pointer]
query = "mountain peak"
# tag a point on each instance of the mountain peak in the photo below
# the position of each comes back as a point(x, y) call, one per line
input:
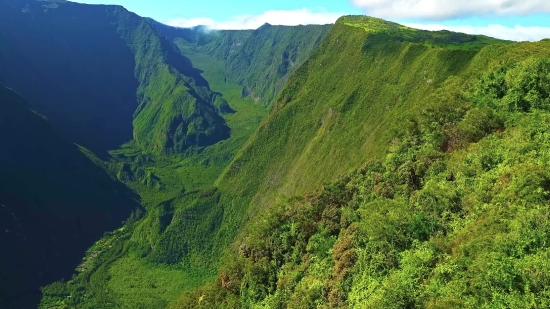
point(266, 25)
point(443, 38)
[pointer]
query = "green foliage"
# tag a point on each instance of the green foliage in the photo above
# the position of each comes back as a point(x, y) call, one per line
point(520, 87)
point(426, 226)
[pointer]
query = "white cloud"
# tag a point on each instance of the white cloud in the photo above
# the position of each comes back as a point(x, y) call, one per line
point(517, 33)
point(442, 9)
point(288, 18)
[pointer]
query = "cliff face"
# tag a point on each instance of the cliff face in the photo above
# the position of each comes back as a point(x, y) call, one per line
point(104, 76)
point(54, 203)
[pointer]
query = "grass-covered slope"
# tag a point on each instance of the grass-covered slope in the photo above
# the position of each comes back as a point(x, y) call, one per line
point(340, 108)
point(55, 202)
point(104, 75)
point(451, 211)
point(444, 38)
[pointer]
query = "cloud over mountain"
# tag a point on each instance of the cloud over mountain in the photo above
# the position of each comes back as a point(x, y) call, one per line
point(282, 17)
point(443, 9)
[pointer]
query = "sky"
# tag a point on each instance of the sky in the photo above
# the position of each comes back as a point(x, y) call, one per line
point(518, 20)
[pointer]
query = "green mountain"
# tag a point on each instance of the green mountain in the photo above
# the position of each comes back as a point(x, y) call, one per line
point(55, 203)
point(395, 168)
point(105, 76)
point(337, 113)
point(440, 140)
point(270, 55)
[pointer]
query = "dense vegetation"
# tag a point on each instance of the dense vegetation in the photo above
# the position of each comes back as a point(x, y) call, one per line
point(439, 136)
point(455, 215)
point(54, 203)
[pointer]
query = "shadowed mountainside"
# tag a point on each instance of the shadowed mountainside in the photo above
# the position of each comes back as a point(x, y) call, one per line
point(55, 202)
point(104, 76)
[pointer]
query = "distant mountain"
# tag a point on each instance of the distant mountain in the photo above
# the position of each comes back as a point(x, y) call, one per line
point(259, 60)
point(55, 202)
point(104, 76)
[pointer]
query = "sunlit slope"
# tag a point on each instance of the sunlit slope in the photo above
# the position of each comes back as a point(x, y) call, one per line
point(450, 210)
point(340, 109)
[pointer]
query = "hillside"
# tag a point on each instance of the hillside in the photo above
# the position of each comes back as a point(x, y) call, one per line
point(55, 202)
point(106, 77)
point(339, 110)
point(444, 201)
point(271, 54)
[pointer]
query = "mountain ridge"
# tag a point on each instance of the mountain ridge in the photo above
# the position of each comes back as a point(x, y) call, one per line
point(125, 102)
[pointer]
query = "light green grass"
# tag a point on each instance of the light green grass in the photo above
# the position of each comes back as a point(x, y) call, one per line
point(140, 284)
point(442, 39)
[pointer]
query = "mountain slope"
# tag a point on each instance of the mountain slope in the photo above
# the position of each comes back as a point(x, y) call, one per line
point(54, 203)
point(445, 202)
point(106, 77)
point(259, 60)
point(339, 109)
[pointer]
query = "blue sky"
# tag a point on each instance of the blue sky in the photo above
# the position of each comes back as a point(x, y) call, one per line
point(508, 19)
point(166, 10)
